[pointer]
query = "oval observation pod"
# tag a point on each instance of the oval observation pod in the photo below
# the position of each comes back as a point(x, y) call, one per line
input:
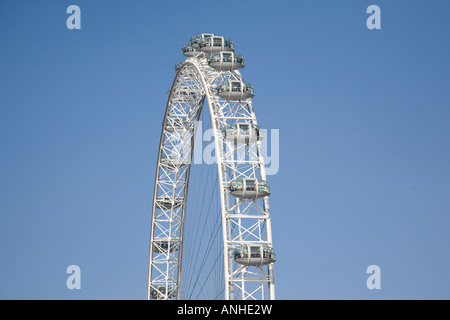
point(161, 292)
point(242, 132)
point(195, 40)
point(176, 124)
point(188, 51)
point(172, 161)
point(249, 188)
point(165, 245)
point(216, 44)
point(178, 66)
point(183, 93)
point(168, 202)
point(235, 90)
point(226, 61)
point(253, 254)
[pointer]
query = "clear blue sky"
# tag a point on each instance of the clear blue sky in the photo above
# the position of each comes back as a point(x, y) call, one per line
point(364, 120)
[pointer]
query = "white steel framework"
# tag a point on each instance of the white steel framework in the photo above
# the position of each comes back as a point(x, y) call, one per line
point(245, 220)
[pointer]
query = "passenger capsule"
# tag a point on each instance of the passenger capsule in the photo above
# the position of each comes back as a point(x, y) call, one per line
point(195, 40)
point(183, 94)
point(235, 90)
point(165, 245)
point(226, 61)
point(176, 124)
point(172, 161)
point(249, 188)
point(188, 51)
point(216, 44)
point(168, 202)
point(242, 132)
point(161, 292)
point(178, 66)
point(253, 254)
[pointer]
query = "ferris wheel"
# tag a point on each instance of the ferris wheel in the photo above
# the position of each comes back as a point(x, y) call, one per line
point(241, 223)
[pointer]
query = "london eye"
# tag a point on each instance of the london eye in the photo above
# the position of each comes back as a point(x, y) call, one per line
point(211, 221)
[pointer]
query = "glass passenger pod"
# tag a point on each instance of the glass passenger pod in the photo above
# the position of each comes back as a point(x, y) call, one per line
point(249, 188)
point(242, 132)
point(226, 61)
point(172, 161)
point(165, 245)
point(183, 93)
point(216, 44)
point(253, 254)
point(178, 66)
point(188, 50)
point(176, 124)
point(195, 40)
point(161, 292)
point(235, 90)
point(168, 202)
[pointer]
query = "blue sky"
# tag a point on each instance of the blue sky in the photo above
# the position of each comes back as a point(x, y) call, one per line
point(364, 120)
